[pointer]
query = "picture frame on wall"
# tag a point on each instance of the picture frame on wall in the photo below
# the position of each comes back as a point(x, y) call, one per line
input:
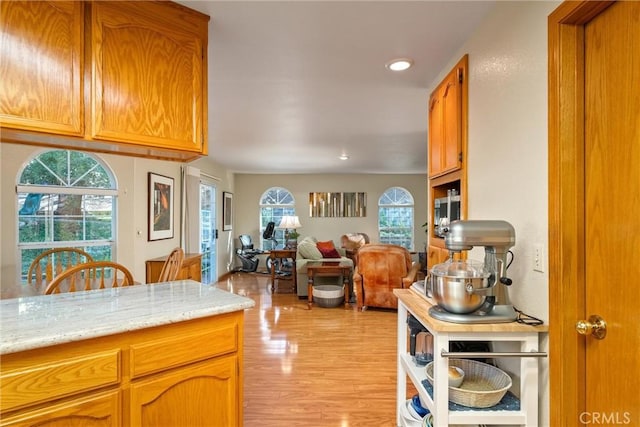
point(227, 211)
point(161, 202)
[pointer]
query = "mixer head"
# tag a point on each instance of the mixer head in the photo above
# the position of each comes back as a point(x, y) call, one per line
point(463, 235)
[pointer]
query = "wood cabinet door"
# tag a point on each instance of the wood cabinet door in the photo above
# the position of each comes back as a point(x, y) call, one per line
point(451, 123)
point(436, 137)
point(204, 394)
point(41, 64)
point(433, 256)
point(148, 76)
point(99, 410)
point(447, 122)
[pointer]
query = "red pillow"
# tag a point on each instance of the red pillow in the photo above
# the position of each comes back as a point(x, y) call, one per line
point(328, 249)
point(329, 253)
point(325, 245)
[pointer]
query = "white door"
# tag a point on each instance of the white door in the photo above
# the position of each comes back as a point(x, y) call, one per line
point(208, 232)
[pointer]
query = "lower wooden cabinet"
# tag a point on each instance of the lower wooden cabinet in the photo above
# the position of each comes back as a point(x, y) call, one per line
point(161, 400)
point(182, 374)
point(191, 268)
point(436, 255)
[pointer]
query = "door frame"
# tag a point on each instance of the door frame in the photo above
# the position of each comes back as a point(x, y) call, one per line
point(567, 298)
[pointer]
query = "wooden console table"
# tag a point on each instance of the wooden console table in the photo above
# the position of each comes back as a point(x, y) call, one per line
point(329, 268)
point(191, 268)
point(282, 254)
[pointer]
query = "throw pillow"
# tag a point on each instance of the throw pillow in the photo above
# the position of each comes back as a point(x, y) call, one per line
point(329, 253)
point(328, 249)
point(308, 250)
point(325, 245)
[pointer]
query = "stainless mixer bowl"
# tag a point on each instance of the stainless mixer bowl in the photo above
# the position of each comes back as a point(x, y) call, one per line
point(449, 282)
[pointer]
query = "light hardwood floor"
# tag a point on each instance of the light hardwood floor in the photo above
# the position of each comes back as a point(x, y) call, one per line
point(313, 368)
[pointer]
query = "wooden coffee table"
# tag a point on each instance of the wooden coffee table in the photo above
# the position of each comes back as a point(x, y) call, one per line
point(332, 269)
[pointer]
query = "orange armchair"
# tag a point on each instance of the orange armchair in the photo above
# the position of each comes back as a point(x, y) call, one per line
point(382, 268)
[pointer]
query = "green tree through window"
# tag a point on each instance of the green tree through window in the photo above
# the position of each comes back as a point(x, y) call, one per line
point(395, 217)
point(65, 199)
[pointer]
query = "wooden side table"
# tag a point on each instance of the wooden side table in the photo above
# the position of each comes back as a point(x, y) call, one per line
point(329, 268)
point(282, 254)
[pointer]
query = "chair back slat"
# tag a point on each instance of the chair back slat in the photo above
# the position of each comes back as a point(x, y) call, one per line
point(172, 266)
point(94, 275)
point(53, 262)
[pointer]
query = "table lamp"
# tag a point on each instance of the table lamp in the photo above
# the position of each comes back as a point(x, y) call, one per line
point(290, 223)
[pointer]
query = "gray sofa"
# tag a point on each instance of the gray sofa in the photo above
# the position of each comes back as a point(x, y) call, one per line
point(308, 251)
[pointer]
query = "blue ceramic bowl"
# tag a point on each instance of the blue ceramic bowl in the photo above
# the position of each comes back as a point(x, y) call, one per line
point(415, 403)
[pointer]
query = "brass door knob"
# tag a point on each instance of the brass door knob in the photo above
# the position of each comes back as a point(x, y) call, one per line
point(595, 326)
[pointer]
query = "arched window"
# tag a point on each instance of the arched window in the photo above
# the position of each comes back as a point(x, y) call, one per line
point(65, 199)
point(275, 203)
point(395, 217)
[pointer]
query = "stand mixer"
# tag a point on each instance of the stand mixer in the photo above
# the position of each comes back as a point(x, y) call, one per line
point(491, 300)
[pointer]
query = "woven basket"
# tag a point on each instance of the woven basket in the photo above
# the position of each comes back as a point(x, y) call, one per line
point(483, 386)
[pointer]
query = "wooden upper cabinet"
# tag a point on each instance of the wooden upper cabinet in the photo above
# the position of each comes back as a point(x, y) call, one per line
point(447, 121)
point(149, 75)
point(41, 55)
point(110, 76)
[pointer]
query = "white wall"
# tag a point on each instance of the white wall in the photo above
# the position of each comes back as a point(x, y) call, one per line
point(507, 164)
point(133, 247)
point(250, 188)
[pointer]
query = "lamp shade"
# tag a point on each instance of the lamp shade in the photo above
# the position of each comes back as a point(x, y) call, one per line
point(290, 222)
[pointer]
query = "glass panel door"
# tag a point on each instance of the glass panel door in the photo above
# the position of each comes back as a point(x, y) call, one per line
point(208, 232)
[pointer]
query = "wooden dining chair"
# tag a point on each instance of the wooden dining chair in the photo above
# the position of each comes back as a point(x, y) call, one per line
point(172, 266)
point(91, 275)
point(52, 262)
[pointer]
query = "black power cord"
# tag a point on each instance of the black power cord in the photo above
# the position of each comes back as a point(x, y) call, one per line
point(527, 319)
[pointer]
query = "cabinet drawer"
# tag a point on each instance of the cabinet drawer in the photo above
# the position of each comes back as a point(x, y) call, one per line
point(161, 354)
point(61, 378)
point(102, 409)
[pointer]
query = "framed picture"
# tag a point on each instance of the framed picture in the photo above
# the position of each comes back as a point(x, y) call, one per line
point(227, 211)
point(160, 207)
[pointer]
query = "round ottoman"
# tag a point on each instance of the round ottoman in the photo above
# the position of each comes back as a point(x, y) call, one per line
point(328, 296)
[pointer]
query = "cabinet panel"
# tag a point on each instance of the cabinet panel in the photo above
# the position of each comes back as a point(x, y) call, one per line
point(41, 66)
point(447, 122)
point(436, 139)
point(149, 78)
point(213, 398)
point(433, 256)
point(452, 121)
point(60, 378)
point(101, 410)
point(152, 356)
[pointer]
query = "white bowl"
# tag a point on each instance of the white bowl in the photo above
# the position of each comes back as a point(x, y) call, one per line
point(453, 380)
point(409, 420)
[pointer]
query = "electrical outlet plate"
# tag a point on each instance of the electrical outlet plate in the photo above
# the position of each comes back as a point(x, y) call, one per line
point(538, 258)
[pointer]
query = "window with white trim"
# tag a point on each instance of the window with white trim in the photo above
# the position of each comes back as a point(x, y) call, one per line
point(275, 203)
point(65, 199)
point(395, 217)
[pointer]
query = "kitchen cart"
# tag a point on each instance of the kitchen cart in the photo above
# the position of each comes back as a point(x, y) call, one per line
point(436, 397)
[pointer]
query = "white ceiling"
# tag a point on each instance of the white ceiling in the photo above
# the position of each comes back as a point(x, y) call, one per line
point(293, 85)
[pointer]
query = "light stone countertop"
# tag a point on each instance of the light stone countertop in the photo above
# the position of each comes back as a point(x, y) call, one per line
point(40, 321)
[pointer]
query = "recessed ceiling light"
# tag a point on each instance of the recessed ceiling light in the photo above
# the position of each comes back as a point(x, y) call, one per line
point(399, 64)
point(343, 157)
